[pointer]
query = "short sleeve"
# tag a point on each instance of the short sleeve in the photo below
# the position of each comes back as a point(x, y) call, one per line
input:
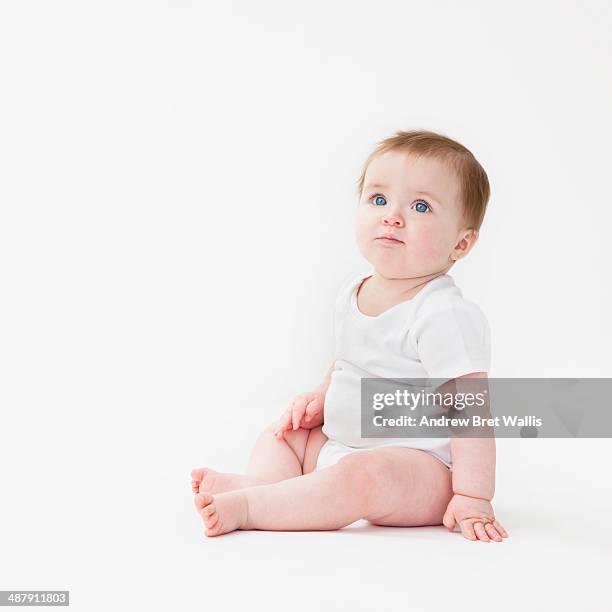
point(453, 341)
point(347, 284)
point(342, 301)
point(343, 287)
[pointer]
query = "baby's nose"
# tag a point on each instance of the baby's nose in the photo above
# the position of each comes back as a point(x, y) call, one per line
point(394, 220)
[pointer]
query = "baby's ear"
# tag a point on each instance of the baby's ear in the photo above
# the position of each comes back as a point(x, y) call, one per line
point(471, 235)
point(466, 243)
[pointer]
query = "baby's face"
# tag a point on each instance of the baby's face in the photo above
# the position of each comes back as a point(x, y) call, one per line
point(429, 225)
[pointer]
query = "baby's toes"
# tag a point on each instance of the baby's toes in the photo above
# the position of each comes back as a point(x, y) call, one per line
point(202, 500)
point(212, 523)
point(196, 478)
point(209, 515)
point(197, 473)
point(208, 512)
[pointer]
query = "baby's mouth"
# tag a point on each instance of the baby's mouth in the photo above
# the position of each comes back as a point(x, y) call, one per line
point(389, 240)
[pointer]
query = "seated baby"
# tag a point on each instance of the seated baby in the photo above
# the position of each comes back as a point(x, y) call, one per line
point(422, 200)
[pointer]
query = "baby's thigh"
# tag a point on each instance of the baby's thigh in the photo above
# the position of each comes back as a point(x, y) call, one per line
point(415, 486)
point(316, 440)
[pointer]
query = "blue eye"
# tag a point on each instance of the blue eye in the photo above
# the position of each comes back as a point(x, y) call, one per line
point(380, 200)
point(423, 207)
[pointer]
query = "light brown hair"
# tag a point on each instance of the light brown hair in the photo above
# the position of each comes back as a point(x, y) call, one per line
point(475, 189)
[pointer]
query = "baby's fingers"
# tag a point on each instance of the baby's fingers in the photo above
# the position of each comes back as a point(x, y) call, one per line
point(480, 532)
point(298, 412)
point(283, 424)
point(467, 529)
point(500, 529)
point(311, 408)
point(492, 532)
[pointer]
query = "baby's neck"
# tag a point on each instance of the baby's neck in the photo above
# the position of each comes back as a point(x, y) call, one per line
point(401, 288)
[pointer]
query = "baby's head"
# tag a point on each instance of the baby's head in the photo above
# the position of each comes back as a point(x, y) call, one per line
point(430, 193)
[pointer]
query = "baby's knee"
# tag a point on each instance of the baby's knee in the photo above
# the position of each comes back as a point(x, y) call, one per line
point(373, 479)
point(363, 469)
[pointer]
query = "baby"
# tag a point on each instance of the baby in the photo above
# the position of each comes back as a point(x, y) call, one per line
point(422, 200)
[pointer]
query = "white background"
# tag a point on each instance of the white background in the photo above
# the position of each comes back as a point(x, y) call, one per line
point(177, 190)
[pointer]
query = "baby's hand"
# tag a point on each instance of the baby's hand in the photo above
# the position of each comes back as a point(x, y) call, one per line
point(475, 517)
point(305, 411)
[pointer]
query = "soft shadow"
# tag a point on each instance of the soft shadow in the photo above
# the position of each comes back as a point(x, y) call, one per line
point(363, 527)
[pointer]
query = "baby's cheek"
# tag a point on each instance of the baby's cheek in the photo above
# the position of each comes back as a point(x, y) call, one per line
point(360, 237)
point(363, 230)
point(430, 243)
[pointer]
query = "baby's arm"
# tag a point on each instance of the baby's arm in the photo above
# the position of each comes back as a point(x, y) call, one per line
point(474, 467)
point(473, 479)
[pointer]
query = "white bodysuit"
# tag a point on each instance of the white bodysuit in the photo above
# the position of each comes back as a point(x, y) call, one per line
point(436, 334)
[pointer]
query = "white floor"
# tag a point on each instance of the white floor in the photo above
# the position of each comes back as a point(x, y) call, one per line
point(114, 523)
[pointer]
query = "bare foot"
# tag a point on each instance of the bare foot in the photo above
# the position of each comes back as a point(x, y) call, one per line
point(222, 513)
point(205, 480)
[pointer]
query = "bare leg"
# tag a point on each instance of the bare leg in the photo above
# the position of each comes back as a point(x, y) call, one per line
point(274, 459)
point(390, 486)
point(271, 460)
